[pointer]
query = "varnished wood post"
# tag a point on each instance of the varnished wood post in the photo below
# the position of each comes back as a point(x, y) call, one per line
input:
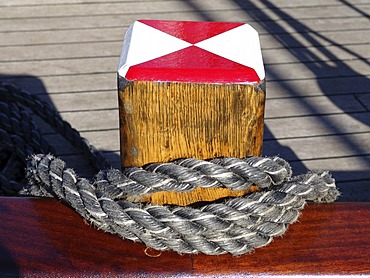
point(190, 89)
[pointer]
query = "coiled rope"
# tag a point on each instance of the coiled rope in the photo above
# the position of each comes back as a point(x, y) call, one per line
point(236, 225)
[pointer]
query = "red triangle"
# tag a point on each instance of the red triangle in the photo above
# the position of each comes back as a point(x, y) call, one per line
point(191, 31)
point(192, 64)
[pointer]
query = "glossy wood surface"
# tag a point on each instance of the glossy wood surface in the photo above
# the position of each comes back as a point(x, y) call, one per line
point(44, 237)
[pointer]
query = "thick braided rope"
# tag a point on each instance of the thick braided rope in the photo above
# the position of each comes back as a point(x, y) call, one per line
point(236, 226)
point(12, 95)
point(20, 136)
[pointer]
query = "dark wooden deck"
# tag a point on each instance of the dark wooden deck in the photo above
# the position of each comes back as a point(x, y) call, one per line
point(316, 57)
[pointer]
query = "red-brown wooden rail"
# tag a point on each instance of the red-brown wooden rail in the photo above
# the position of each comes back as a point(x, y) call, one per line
point(43, 237)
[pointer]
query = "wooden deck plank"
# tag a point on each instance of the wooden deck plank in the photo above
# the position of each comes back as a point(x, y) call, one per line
point(113, 34)
point(291, 107)
point(268, 11)
point(316, 70)
point(92, 120)
point(345, 170)
point(314, 24)
point(352, 190)
point(62, 67)
point(333, 146)
point(67, 102)
point(327, 38)
point(60, 51)
point(318, 125)
point(104, 140)
point(317, 54)
point(64, 83)
point(318, 86)
point(364, 99)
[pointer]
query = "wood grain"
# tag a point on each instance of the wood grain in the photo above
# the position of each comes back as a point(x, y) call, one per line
point(163, 121)
point(42, 237)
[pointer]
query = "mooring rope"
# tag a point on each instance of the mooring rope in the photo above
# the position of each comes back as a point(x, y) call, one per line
point(235, 225)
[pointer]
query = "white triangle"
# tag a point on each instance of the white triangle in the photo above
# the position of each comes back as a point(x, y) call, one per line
point(240, 45)
point(143, 43)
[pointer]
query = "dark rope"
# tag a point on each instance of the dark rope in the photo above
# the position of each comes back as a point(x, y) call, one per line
point(236, 226)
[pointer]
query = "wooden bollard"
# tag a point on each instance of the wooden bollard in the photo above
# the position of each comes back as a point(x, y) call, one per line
point(190, 89)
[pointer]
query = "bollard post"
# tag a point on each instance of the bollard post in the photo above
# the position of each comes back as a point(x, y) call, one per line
point(190, 89)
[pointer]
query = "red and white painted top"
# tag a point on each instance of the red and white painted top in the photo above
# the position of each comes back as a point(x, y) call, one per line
point(188, 51)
